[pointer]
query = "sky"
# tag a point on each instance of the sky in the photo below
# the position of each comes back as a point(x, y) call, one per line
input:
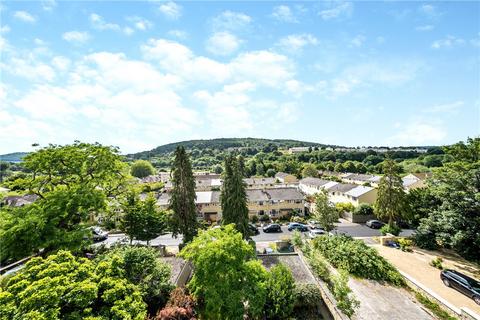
point(141, 74)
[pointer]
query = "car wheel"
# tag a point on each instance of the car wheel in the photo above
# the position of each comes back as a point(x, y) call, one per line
point(446, 282)
point(477, 299)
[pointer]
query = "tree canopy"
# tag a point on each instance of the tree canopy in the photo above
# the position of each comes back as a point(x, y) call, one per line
point(141, 169)
point(324, 211)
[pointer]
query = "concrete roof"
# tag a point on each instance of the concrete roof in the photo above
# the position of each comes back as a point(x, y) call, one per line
point(309, 181)
point(358, 191)
point(284, 194)
point(342, 187)
point(281, 174)
point(203, 196)
point(259, 181)
point(256, 195)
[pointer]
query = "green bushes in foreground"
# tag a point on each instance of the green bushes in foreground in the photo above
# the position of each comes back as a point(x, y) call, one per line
point(355, 257)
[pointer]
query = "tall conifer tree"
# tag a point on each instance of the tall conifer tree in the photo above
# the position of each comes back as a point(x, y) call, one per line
point(182, 202)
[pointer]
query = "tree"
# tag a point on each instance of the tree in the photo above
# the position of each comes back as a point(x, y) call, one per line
point(309, 170)
point(422, 202)
point(65, 287)
point(233, 197)
point(180, 306)
point(280, 293)
point(218, 169)
point(271, 172)
point(324, 211)
point(142, 169)
point(182, 201)
point(391, 200)
point(364, 209)
point(226, 282)
point(142, 220)
point(456, 221)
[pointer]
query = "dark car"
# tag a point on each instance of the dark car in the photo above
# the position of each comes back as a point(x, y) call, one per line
point(98, 234)
point(460, 282)
point(272, 228)
point(374, 224)
point(253, 229)
point(297, 226)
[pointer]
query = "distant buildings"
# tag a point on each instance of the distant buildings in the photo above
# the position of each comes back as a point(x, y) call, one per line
point(298, 150)
point(286, 178)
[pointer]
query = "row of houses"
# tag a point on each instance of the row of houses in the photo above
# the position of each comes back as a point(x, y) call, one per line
point(274, 202)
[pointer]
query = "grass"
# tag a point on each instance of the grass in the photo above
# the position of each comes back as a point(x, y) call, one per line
point(433, 307)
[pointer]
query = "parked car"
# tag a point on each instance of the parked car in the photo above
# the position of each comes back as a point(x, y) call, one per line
point(98, 234)
point(253, 229)
point(272, 228)
point(314, 224)
point(462, 283)
point(316, 233)
point(374, 224)
point(297, 226)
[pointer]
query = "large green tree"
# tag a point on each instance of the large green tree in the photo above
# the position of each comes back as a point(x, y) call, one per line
point(455, 223)
point(391, 200)
point(233, 196)
point(227, 281)
point(141, 169)
point(325, 212)
point(309, 170)
point(182, 201)
point(65, 287)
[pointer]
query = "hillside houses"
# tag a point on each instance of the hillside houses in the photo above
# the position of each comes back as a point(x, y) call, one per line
point(362, 179)
point(286, 178)
point(414, 180)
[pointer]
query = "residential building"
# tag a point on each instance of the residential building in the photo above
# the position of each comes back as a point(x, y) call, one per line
point(414, 180)
point(362, 179)
point(286, 178)
point(260, 183)
point(298, 150)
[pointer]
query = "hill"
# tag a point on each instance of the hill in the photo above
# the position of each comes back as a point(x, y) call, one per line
point(13, 157)
point(223, 144)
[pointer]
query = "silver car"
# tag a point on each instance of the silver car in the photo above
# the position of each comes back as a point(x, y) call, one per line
point(316, 233)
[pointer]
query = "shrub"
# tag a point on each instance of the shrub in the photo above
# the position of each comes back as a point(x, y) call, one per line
point(405, 244)
point(344, 207)
point(319, 265)
point(254, 219)
point(343, 294)
point(364, 209)
point(141, 169)
point(280, 298)
point(264, 218)
point(180, 306)
point(433, 307)
point(437, 263)
point(297, 219)
point(357, 258)
point(307, 301)
point(390, 229)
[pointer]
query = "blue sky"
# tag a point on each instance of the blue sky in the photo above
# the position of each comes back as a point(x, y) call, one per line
point(140, 74)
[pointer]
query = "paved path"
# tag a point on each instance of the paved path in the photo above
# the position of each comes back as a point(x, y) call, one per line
point(417, 266)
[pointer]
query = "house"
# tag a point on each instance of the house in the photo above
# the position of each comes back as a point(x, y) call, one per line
point(414, 180)
point(260, 183)
point(311, 186)
point(362, 179)
point(275, 202)
point(286, 178)
point(298, 150)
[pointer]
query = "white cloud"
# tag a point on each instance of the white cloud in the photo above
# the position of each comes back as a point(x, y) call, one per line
point(99, 23)
point(229, 20)
point(358, 41)
point(48, 5)
point(418, 132)
point(24, 16)
point(128, 31)
point(30, 68)
point(448, 42)
point(337, 10)
point(284, 13)
point(476, 41)
point(170, 10)
point(427, 27)
point(140, 23)
point(76, 37)
point(430, 11)
point(4, 29)
point(61, 63)
point(451, 108)
point(180, 34)
point(296, 42)
point(223, 43)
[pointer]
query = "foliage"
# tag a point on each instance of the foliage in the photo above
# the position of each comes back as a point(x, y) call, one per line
point(391, 200)
point(253, 219)
point(297, 219)
point(422, 202)
point(455, 223)
point(309, 170)
point(357, 258)
point(237, 285)
point(405, 244)
point(319, 265)
point(364, 209)
point(64, 287)
point(142, 220)
point(280, 298)
point(437, 263)
point(343, 294)
point(324, 212)
point(182, 201)
point(180, 306)
point(141, 169)
point(391, 229)
point(233, 196)
point(344, 207)
point(264, 218)
point(433, 307)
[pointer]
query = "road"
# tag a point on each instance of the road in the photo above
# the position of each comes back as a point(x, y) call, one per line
point(342, 227)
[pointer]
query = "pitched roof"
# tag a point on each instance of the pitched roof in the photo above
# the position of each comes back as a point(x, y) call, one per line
point(281, 175)
point(259, 181)
point(284, 194)
point(342, 187)
point(310, 181)
point(358, 191)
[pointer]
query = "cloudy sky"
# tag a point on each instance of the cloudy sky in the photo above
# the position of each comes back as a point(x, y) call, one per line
point(141, 74)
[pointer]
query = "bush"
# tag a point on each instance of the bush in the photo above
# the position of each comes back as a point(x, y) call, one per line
point(297, 219)
point(254, 219)
point(180, 306)
point(344, 207)
point(280, 298)
point(357, 258)
point(141, 169)
point(343, 294)
point(405, 244)
point(390, 229)
point(307, 302)
point(437, 263)
point(264, 218)
point(433, 307)
point(319, 266)
point(364, 209)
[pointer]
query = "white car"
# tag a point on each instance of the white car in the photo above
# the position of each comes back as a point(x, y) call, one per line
point(314, 224)
point(316, 233)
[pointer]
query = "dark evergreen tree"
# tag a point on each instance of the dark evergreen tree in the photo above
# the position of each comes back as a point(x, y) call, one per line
point(182, 202)
point(233, 196)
